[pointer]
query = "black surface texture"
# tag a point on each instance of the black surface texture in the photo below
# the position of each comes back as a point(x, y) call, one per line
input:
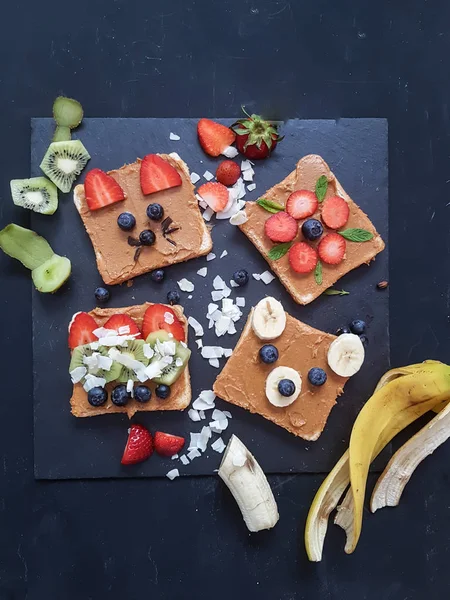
point(310, 59)
point(64, 446)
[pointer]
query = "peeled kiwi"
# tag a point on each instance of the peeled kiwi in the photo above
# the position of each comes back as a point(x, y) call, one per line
point(134, 350)
point(80, 352)
point(67, 112)
point(62, 134)
point(170, 373)
point(25, 245)
point(51, 275)
point(37, 194)
point(63, 162)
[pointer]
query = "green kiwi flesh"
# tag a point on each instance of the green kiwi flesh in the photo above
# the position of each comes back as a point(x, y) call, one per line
point(171, 373)
point(37, 194)
point(135, 350)
point(25, 245)
point(52, 274)
point(85, 351)
point(67, 112)
point(62, 134)
point(63, 162)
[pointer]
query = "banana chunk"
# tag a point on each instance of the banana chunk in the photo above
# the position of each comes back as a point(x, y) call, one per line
point(272, 381)
point(269, 319)
point(346, 355)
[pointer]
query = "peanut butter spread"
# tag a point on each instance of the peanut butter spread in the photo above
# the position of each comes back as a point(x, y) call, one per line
point(301, 347)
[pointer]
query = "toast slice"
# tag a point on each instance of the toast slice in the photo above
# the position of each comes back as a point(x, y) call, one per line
point(303, 287)
point(300, 347)
point(179, 398)
point(114, 256)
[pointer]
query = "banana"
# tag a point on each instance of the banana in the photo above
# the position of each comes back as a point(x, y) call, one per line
point(269, 319)
point(392, 481)
point(272, 381)
point(346, 355)
point(247, 482)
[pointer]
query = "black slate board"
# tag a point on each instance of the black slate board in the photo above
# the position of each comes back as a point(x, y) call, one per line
point(68, 448)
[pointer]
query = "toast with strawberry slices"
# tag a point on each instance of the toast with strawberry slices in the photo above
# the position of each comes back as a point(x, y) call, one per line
point(180, 396)
point(158, 179)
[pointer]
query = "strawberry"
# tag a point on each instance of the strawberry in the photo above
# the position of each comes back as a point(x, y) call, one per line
point(281, 227)
point(215, 195)
point(331, 249)
point(139, 445)
point(157, 175)
point(335, 212)
point(80, 330)
point(214, 137)
point(101, 189)
point(255, 137)
point(120, 320)
point(302, 258)
point(228, 172)
point(159, 317)
point(302, 204)
point(167, 444)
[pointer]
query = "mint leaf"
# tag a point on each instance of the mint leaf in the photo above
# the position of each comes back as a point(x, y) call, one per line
point(332, 292)
point(279, 251)
point(321, 187)
point(356, 235)
point(318, 273)
point(270, 206)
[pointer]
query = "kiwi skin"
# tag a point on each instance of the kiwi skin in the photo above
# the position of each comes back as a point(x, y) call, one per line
point(62, 134)
point(67, 112)
point(25, 245)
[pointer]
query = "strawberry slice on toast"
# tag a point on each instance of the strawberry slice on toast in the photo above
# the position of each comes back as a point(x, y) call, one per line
point(101, 189)
point(124, 325)
point(81, 330)
point(157, 175)
point(159, 316)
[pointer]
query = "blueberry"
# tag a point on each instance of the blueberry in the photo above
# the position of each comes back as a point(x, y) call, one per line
point(120, 396)
point(173, 297)
point(364, 339)
point(357, 326)
point(342, 330)
point(312, 229)
point(147, 237)
point(162, 391)
point(241, 277)
point(157, 275)
point(317, 376)
point(142, 393)
point(101, 294)
point(155, 212)
point(268, 354)
point(286, 387)
point(97, 396)
point(126, 221)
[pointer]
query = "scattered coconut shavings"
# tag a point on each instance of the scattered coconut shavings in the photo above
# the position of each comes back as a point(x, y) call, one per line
point(212, 309)
point(172, 474)
point(239, 218)
point(190, 297)
point(130, 387)
point(174, 137)
point(94, 345)
point(174, 457)
point(210, 256)
point(251, 187)
point(205, 401)
point(203, 272)
point(247, 175)
point(246, 165)
point(256, 276)
point(196, 326)
point(202, 414)
point(227, 352)
point(193, 414)
point(104, 362)
point(217, 295)
point(230, 152)
point(207, 214)
point(239, 188)
point(267, 277)
point(234, 284)
point(77, 374)
point(178, 362)
point(169, 318)
point(240, 301)
point(195, 439)
point(226, 292)
point(218, 445)
point(227, 414)
point(194, 178)
point(199, 344)
point(231, 329)
point(239, 459)
point(185, 285)
point(193, 454)
point(220, 422)
point(124, 330)
point(218, 283)
point(211, 324)
point(212, 352)
point(201, 202)
point(224, 253)
point(214, 362)
point(184, 459)
point(222, 325)
point(208, 175)
point(91, 381)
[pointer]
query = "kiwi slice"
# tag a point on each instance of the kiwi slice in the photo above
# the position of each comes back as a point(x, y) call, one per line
point(67, 112)
point(25, 245)
point(81, 352)
point(63, 162)
point(62, 134)
point(134, 350)
point(38, 194)
point(170, 373)
point(50, 276)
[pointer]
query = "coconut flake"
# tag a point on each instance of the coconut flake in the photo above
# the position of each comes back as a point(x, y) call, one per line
point(214, 362)
point(94, 345)
point(231, 329)
point(174, 457)
point(227, 352)
point(193, 414)
point(202, 414)
point(194, 178)
point(234, 284)
point(218, 283)
point(194, 453)
point(199, 343)
point(210, 256)
point(222, 325)
point(246, 165)
point(256, 276)
point(217, 295)
point(239, 218)
point(203, 272)
point(267, 277)
point(251, 187)
point(226, 291)
point(224, 253)
point(124, 330)
point(230, 152)
point(208, 175)
point(174, 137)
point(172, 474)
point(91, 381)
point(185, 285)
point(102, 332)
point(218, 445)
point(208, 213)
point(190, 297)
point(247, 175)
point(211, 309)
point(175, 155)
point(227, 414)
point(196, 326)
point(130, 387)
point(239, 459)
point(240, 301)
point(77, 374)
point(208, 396)
point(239, 188)
point(104, 362)
point(212, 352)
point(184, 459)
point(178, 362)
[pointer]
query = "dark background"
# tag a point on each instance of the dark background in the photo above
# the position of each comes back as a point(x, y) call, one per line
point(308, 59)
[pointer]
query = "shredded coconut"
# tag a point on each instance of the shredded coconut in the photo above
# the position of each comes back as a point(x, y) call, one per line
point(174, 137)
point(185, 285)
point(208, 175)
point(210, 256)
point(172, 474)
point(203, 272)
point(194, 178)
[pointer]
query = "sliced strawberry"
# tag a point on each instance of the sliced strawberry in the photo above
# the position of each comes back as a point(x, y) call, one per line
point(101, 189)
point(214, 137)
point(215, 195)
point(80, 330)
point(332, 249)
point(139, 445)
point(167, 444)
point(120, 320)
point(302, 204)
point(228, 172)
point(159, 317)
point(281, 227)
point(302, 258)
point(335, 212)
point(157, 175)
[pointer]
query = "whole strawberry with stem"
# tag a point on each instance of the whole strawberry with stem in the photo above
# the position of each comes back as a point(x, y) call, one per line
point(256, 137)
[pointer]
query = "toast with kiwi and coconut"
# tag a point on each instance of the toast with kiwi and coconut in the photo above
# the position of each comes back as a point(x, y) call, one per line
point(131, 359)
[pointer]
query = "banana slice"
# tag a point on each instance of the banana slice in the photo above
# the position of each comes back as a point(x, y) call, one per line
point(272, 381)
point(346, 355)
point(269, 319)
